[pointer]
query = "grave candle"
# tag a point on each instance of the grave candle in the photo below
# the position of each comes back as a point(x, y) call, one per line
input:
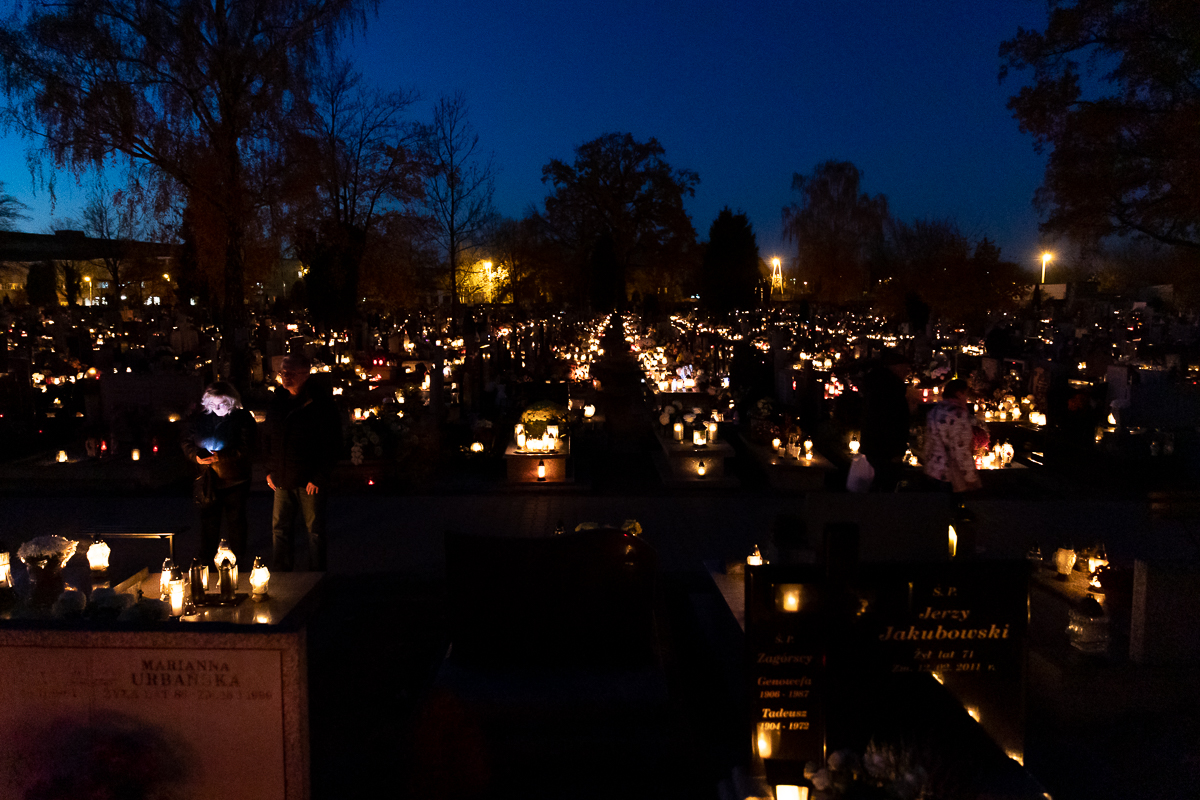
point(953, 542)
point(755, 558)
point(776, 444)
point(5, 572)
point(678, 431)
point(699, 437)
point(541, 470)
point(62, 457)
point(135, 454)
point(589, 411)
point(552, 431)
point(701, 470)
point(712, 432)
point(259, 579)
point(175, 591)
point(786, 791)
point(791, 599)
point(520, 440)
point(97, 555)
point(854, 445)
point(224, 553)
point(164, 580)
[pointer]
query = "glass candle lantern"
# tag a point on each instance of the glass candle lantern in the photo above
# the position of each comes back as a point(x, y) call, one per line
point(135, 454)
point(97, 555)
point(589, 411)
point(62, 457)
point(755, 558)
point(700, 437)
point(678, 429)
point(164, 579)
point(5, 572)
point(224, 552)
point(520, 440)
point(854, 445)
point(701, 470)
point(175, 593)
point(541, 470)
point(712, 432)
point(1064, 561)
point(260, 577)
point(552, 431)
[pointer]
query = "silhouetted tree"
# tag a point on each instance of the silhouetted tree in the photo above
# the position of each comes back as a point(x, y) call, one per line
point(114, 218)
point(1115, 96)
point(835, 226)
point(10, 209)
point(202, 91)
point(459, 190)
point(618, 208)
point(354, 162)
point(730, 270)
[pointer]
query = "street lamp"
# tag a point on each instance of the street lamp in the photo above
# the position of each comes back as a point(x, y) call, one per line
point(1045, 258)
point(88, 280)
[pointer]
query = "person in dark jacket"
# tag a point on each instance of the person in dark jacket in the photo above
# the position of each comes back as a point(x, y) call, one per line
point(886, 419)
point(305, 433)
point(222, 438)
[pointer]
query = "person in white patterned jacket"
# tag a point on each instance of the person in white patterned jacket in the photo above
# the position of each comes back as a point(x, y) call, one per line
point(949, 442)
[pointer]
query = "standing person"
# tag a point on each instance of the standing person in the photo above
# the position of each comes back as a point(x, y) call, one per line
point(884, 437)
point(950, 444)
point(222, 438)
point(305, 435)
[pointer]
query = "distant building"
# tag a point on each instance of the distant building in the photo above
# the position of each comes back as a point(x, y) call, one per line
point(150, 284)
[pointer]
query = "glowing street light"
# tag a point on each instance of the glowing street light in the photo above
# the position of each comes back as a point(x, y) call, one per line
point(1045, 258)
point(88, 280)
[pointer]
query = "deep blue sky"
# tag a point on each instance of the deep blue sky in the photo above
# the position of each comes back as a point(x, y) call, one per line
point(744, 94)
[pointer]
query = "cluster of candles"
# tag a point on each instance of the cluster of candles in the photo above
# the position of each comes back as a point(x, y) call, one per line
point(187, 589)
point(999, 457)
point(792, 449)
point(548, 442)
point(703, 433)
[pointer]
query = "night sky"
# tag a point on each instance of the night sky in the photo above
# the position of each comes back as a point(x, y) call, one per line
point(743, 94)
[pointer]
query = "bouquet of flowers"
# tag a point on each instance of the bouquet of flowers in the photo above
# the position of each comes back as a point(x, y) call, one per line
point(536, 417)
point(43, 549)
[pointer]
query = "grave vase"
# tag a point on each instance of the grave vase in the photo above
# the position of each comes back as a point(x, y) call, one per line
point(45, 581)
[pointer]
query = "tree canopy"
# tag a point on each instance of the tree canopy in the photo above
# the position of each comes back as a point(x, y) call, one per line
point(10, 209)
point(459, 187)
point(836, 226)
point(619, 209)
point(730, 269)
point(202, 91)
point(1115, 97)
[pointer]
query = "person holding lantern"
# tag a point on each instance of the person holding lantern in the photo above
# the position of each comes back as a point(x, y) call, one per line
point(221, 437)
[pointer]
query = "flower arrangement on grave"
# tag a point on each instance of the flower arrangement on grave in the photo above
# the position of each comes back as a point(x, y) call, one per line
point(44, 557)
point(939, 367)
point(47, 549)
point(541, 414)
point(765, 423)
point(883, 771)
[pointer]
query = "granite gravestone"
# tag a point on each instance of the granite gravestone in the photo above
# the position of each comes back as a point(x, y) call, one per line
point(816, 637)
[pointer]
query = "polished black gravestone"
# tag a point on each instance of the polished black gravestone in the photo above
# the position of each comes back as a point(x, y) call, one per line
point(841, 652)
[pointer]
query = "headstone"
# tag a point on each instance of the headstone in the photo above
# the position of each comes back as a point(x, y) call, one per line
point(1166, 604)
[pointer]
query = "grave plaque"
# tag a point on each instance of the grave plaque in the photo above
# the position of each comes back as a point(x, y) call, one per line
point(964, 624)
point(812, 639)
point(785, 641)
point(196, 722)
